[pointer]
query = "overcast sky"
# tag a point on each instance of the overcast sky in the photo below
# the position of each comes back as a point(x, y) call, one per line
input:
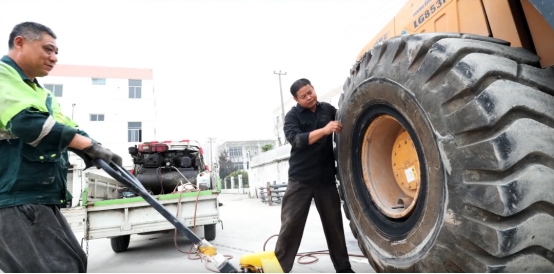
point(218, 56)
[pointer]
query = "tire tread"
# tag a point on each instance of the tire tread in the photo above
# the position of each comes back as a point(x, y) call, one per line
point(504, 194)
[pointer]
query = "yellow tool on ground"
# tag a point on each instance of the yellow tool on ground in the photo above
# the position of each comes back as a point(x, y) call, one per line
point(260, 262)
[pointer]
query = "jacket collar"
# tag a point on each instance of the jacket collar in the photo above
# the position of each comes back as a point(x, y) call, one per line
point(9, 61)
point(301, 109)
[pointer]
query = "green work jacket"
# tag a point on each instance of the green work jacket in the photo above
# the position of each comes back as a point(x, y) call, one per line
point(34, 139)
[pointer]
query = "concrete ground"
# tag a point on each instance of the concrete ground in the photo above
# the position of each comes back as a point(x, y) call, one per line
point(247, 224)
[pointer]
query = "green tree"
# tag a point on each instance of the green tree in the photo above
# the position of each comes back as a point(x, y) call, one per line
point(235, 175)
point(226, 167)
point(267, 147)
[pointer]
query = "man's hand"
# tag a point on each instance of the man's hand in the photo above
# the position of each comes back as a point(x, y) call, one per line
point(96, 151)
point(333, 126)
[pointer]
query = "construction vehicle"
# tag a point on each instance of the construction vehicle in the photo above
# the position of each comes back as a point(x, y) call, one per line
point(446, 155)
point(173, 172)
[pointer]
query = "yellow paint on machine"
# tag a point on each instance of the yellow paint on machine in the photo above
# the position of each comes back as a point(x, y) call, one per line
point(502, 19)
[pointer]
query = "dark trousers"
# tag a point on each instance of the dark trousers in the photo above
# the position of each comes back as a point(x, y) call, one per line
point(294, 212)
point(37, 238)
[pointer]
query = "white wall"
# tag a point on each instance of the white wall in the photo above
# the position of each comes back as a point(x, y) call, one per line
point(112, 101)
point(269, 166)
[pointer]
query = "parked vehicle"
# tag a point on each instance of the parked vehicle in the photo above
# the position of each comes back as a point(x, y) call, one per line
point(174, 172)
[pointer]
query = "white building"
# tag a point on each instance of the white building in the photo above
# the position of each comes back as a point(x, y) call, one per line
point(331, 96)
point(242, 152)
point(115, 106)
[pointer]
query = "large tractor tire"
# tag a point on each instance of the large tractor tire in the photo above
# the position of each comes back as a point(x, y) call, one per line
point(446, 156)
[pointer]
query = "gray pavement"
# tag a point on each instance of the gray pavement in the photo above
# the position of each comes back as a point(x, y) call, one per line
point(247, 224)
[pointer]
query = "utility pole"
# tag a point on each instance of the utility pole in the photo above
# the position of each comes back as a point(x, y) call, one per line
point(282, 102)
point(211, 141)
point(72, 110)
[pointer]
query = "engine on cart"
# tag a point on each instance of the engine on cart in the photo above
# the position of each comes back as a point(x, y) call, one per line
point(162, 167)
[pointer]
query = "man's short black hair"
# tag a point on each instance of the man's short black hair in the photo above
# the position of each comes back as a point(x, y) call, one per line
point(297, 85)
point(30, 31)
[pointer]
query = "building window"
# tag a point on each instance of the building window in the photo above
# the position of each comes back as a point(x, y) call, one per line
point(97, 117)
point(235, 152)
point(56, 89)
point(239, 166)
point(134, 132)
point(135, 89)
point(99, 81)
point(253, 151)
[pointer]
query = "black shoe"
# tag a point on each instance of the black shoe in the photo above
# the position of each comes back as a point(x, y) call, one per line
point(349, 270)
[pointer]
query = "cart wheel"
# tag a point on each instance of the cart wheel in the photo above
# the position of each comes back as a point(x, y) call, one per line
point(120, 243)
point(209, 232)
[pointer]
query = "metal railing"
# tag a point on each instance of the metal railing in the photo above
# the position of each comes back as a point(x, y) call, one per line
point(272, 193)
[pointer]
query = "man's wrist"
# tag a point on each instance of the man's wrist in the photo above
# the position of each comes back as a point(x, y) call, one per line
point(80, 142)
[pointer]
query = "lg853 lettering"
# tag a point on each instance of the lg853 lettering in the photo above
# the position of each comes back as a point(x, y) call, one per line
point(430, 11)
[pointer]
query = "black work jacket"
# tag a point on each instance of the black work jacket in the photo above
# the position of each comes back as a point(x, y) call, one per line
point(310, 164)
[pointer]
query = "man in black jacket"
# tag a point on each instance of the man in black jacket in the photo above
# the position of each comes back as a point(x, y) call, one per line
point(309, 127)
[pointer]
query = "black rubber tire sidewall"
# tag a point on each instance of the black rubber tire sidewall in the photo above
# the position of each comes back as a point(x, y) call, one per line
point(422, 237)
point(210, 232)
point(120, 243)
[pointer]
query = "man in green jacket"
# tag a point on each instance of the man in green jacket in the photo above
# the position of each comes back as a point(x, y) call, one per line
point(34, 139)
